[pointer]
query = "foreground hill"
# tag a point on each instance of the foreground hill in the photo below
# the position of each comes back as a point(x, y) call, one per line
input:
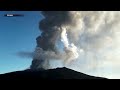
point(58, 73)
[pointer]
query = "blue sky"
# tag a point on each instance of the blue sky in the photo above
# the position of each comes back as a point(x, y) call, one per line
point(17, 34)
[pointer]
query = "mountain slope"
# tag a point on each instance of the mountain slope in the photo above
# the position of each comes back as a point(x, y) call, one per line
point(59, 73)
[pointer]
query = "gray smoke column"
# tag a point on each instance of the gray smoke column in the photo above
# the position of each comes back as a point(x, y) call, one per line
point(54, 27)
point(87, 41)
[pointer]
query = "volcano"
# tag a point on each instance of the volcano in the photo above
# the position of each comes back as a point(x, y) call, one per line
point(58, 73)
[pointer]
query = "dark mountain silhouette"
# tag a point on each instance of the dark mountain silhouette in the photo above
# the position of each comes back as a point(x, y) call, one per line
point(58, 73)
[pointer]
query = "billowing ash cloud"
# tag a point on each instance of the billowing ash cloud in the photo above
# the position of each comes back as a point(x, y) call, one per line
point(54, 29)
point(80, 39)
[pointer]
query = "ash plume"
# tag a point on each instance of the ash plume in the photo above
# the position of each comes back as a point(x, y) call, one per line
point(54, 28)
point(86, 40)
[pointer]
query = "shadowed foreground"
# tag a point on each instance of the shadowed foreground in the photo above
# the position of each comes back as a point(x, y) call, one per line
point(59, 73)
